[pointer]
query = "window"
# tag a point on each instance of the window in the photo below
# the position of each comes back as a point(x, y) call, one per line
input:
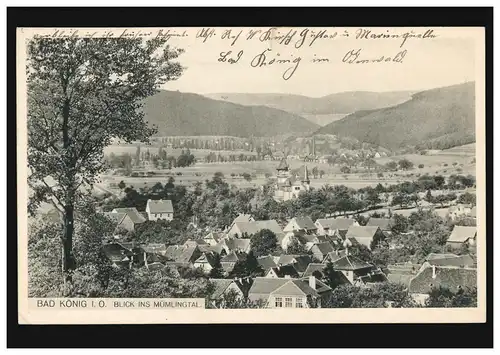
point(278, 302)
point(297, 188)
point(288, 302)
point(298, 303)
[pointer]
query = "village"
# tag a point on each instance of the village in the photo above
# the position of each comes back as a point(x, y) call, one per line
point(298, 262)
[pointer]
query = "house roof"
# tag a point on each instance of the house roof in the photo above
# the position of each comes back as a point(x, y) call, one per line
point(295, 288)
point(206, 248)
point(116, 252)
point(206, 258)
point(307, 238)
point(243, 218)
point(335, 223)
point(283, 165)
point(446, 276)
point(234, 244)
point(286, 259)
point(132, 212)
point(361, 232)
point(323, 248)
point(383, 223)
point(336, 254)
point(460, 261)
point(154, 248)
point(160, 206)
point(230, 258)
point(256, 226)
point(312, 267)
point(302, 262)
point(372, 277)
point(403, 279)
point(305, 223)
point(432, 256)
point(221, 286)
point(264, 285)
point(266, 262)
point(217, 236)
point(180, 253)
point(116, 217)
point(461, 234)
point(285, 270)
point(351, 263)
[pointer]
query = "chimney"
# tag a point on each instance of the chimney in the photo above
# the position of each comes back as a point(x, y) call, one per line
point(433, 271)
point(312, 282)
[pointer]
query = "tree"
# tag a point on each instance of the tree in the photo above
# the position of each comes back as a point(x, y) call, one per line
point(467, 198)
point(247, 265)
point(345, 170)
point(420, 166)
point(392, 165)
point(442, 297)
point(333, 277)
point(321, 173)
point(264, 242)
point(315, 171)
point(247, 176)
point(296, 248)
point(405, 164)
point(138, 155)
point(217, 271)
point(82, 92)
point(121, 185)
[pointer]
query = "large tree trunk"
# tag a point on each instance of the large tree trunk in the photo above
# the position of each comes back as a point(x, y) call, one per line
point(68, 259)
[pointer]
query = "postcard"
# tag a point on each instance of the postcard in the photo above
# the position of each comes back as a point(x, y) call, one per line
point(251, 175)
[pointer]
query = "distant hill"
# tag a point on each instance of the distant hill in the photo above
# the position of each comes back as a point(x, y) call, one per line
point(186, 114)
point(434, 119)
point(334, 104)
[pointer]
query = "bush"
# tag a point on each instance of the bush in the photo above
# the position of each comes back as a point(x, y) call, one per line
point(420, 166)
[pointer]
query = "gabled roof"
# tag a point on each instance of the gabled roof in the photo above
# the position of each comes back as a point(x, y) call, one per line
point(243, 218)
point(323, 248)
point(160, 206)
point(447, 276)
point(263, 285)
point(307, 238)
point(285, 270)
point(350, 263)
point(116, 252)
point(266, 262)
point(302, 262)
point(206, 258)
point(383, 223)
point(230, 258)
point(180, 253)
point(400, 278)
point(116, 217)
point(336, 254)
point(221, 286)
point(286, 259)
point(154, 248)
point(336, 223)
point(460, 261)
point(461, 234)
point(312, 267)
point(295, 288)
point(361, 231)
point(305, 223)
point(206, 248)
point(132, 212)
point(255, 227)
point(235, 244)
point(217, 236)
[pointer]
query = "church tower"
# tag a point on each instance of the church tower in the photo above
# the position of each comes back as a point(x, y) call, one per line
point(283, 171)
point(305, 179)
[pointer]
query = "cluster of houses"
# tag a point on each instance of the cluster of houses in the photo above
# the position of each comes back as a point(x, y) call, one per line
point(294, 280)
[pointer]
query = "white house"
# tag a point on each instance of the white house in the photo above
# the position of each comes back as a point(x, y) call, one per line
point(160, 209)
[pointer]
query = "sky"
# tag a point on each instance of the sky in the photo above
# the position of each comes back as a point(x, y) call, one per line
point(446, 59)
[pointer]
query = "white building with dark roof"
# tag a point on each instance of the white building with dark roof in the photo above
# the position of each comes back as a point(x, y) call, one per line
point(289, 187)
point(462, 235)
point(160, 209)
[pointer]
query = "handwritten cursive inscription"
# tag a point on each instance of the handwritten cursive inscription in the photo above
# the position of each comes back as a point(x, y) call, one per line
point(368, 34)
point(266, 58)
point(227, 57)
point(354, 57)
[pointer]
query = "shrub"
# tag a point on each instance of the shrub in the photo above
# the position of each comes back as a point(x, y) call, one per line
point(420, 166)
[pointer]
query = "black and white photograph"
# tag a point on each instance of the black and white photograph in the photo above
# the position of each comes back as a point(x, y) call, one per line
point(260, 168)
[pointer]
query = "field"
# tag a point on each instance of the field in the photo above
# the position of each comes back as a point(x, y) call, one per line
point(435, 162)
point(198, 153)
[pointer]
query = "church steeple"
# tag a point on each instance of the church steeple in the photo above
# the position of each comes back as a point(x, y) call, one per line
point(283, 165)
